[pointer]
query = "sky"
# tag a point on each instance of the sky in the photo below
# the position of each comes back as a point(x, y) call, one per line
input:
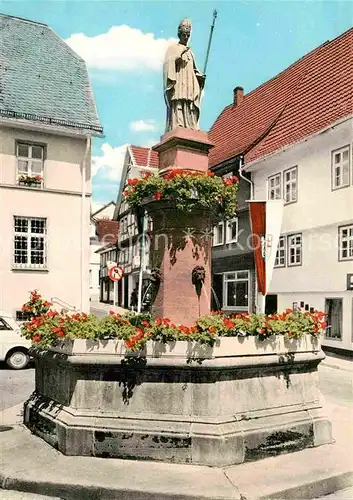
point(123, 44)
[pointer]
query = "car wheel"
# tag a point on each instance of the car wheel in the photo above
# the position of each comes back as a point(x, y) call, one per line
point(17, 360)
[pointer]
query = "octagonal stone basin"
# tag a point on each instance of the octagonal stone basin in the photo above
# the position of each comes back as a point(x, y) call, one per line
point(241, 399)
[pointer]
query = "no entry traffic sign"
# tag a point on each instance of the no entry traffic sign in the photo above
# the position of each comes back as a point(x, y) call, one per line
point(116, 273)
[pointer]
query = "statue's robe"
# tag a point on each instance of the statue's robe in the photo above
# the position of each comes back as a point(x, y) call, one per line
point(181, 88)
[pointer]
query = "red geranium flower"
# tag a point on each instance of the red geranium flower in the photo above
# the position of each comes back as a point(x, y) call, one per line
point(132, 182)
point(157, 196)
point(229, 324)
point(130, 343)
point(36, 338)
point(145, 323)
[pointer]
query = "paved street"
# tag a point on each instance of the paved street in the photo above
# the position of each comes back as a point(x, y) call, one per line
point(16, 385)
point(337, 386)
point(102, 309)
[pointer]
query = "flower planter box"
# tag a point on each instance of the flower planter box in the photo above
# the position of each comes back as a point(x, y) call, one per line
point(30, 184)
point(224, 346)
point(241, 399)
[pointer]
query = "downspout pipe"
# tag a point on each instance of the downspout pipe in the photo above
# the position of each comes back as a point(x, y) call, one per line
point(241, 174)
point(83, 223)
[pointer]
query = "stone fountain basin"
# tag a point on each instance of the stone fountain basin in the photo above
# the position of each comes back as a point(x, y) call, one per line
point(242, 399)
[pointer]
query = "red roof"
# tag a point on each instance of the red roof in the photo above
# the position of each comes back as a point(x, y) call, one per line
point(144, 157)
point(309, 95)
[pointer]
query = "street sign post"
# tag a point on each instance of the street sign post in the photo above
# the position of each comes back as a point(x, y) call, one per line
point(115, 274)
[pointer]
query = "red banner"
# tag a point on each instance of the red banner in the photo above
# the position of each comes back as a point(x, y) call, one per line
point(258, 226)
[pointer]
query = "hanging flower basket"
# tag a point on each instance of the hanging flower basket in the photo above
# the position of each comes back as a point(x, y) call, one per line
point(187, 190)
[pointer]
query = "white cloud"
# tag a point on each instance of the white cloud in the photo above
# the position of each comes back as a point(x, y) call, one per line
point(121, 47)
point(149, 143)
point(109, 165)
point(143, 126)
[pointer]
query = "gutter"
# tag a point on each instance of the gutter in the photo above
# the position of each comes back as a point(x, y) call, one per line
point(83, 236)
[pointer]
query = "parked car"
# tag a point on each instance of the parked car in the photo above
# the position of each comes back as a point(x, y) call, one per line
point(13, 347)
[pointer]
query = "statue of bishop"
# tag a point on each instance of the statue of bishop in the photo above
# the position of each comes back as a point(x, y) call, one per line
point(183, 83)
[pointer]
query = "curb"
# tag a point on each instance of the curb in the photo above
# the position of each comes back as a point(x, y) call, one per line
point(314, 489)
point(91, 492)
point(330, 364)
point(308, 491)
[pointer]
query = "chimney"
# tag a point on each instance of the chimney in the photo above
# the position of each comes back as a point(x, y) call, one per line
point(238, 94)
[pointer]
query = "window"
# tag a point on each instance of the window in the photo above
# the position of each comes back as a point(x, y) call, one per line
point(274, 187)
point(123, 258)
point(334, 311)
point(340, 168)
point(4, 325)
point(290, 185)
point(30, 242)
point(236, 290)
point(281, 253)
point(345, 236)
point(30, 161)
point(22, 316)
point(232, 231)
point(218, 234)
point(295, 250)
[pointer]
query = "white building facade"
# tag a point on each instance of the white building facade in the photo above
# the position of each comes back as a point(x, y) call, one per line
point(314, 265)
point(104, 213)
point(45, 171)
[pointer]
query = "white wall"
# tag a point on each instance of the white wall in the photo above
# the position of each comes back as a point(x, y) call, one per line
point(62, 164)
point(317, 214)
point(94, 266)
point(63, 213)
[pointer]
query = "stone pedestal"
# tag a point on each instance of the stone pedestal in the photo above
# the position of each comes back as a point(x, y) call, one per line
point(183, 148)
point(181, 241)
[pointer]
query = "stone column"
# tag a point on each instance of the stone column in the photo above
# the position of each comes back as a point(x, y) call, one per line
point(181, 241)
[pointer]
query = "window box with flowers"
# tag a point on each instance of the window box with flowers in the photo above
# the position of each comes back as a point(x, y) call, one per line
point(30, 180)
point(158, 382)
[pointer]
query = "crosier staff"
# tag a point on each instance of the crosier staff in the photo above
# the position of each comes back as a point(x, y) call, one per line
point(210, 40)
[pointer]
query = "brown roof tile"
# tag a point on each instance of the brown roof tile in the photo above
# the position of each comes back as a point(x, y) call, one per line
point(144, 157)
point(304, 98)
